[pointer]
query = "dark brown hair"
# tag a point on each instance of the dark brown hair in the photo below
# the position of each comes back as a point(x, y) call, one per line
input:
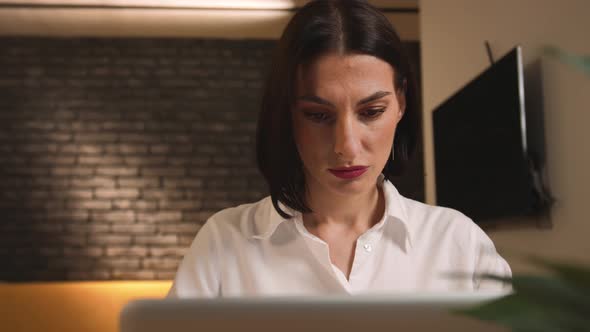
point(320, 27)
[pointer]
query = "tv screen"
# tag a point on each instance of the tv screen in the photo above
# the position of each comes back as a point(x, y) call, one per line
point(480, 145)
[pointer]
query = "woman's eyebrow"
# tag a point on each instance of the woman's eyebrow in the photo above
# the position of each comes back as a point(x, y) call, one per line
point(315, 99)
point(373, 97)
point(318, 100)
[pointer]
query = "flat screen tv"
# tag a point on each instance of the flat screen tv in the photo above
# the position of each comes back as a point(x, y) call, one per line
point(480, 145)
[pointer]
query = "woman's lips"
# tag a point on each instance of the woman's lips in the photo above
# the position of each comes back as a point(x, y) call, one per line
point(349, 172)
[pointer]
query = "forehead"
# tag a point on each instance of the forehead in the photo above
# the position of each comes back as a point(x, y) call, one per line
point(351, 71)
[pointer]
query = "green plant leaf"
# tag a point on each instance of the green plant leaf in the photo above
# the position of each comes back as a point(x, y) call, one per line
point(576, 275)
point(521, 314)
point(560, 302)
point(580, 62)
point(552, 292)
point(513, 311)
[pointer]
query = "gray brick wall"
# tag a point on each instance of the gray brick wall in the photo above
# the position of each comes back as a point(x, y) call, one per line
point(113, 152)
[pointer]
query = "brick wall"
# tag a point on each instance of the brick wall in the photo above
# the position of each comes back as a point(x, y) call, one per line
point(113, 152)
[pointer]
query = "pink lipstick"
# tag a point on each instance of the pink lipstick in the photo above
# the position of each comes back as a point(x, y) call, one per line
point(349, 172)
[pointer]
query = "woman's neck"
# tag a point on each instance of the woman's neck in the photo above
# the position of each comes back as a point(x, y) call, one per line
point(359, 212)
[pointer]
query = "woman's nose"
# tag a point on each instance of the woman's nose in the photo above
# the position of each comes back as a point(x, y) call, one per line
point(346, 140)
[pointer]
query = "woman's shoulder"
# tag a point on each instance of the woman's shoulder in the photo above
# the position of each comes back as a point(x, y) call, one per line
point(426, 218)
point(444, 216)
point(446, 226)
point(419, 215)
point(241, 220)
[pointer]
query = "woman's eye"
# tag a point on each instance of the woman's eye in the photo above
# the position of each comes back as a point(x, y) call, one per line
point(372, 113)
point(316, 116)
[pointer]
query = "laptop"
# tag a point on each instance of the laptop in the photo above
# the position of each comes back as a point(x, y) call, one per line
point(399, 312)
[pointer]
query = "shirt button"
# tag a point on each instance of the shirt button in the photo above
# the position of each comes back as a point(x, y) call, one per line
point(368, 247)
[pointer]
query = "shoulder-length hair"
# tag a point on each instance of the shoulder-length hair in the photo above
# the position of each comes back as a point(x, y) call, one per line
point(318, 28)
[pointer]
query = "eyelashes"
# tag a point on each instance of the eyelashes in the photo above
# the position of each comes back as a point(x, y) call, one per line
point(318, 117)
point(372, 113)
point(326, 117)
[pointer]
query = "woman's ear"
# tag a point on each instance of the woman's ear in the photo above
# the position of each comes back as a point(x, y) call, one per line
point(401, 98)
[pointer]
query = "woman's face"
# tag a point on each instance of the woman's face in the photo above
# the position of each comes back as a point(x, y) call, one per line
point(344, 121)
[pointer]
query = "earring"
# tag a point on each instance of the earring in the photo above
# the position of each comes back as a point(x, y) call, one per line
point(392, 154)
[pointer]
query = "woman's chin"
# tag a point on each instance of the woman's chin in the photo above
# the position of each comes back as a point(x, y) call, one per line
point(352, 186)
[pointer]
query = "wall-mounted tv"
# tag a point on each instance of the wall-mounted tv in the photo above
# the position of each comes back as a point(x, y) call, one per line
point(481, 154)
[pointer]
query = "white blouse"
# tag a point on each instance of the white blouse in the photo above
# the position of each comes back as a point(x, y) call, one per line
point(250, 250)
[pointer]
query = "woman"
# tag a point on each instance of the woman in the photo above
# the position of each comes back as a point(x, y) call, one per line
point(338, 120)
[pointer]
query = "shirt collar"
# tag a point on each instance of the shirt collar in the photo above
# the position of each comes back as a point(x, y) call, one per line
point(267, 219)
point(396, 210)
